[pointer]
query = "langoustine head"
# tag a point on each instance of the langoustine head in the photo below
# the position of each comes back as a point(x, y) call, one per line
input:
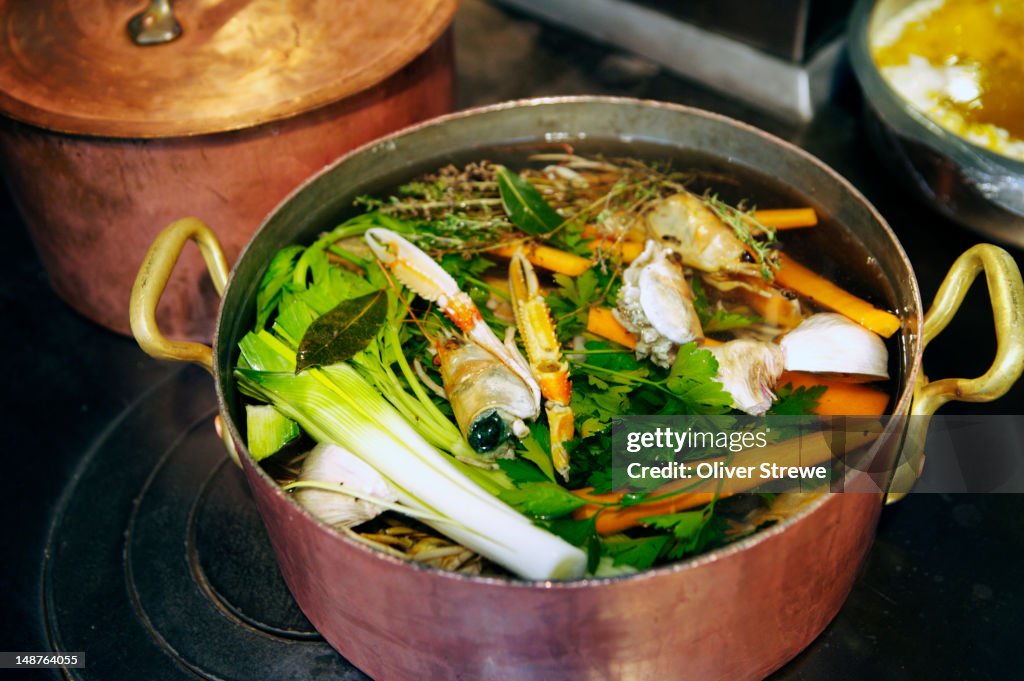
point(684, 223)
point(490, 401)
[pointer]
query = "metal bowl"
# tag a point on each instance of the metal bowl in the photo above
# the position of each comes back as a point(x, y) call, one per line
point(968, 184)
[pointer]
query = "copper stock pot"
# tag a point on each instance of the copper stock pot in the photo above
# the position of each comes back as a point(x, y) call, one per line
point(738, 612)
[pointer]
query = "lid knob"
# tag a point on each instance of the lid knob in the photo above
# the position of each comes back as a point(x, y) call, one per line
point(154, 25)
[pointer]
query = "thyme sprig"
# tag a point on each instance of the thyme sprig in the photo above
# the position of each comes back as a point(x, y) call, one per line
point(757, 237)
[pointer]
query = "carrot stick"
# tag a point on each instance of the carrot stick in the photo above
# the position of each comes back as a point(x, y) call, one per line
point(618, 519)
point(548, 258)
point(808, 450)
point(793, 275)
point(631, 250)
point(601, 322)
point(786, 218)
point(841, 398)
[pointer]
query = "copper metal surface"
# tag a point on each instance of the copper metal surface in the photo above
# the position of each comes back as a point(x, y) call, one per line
point(94, 205)
point(736, 613)
point(71, 66)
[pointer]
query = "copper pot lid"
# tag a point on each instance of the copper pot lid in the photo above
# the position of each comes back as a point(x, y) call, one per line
point(73, 66)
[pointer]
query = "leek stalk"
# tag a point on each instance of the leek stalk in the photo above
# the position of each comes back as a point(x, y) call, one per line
point(336, 404)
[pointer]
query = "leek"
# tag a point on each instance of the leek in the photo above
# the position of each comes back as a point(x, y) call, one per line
point(336, 404)
point(268, 430)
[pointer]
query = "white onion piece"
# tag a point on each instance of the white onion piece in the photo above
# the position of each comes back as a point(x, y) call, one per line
point(748, 370)
point(831, 343)
point(333, 464)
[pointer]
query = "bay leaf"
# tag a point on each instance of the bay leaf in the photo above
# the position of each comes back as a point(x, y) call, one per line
point(525, 206)
point(343, 331)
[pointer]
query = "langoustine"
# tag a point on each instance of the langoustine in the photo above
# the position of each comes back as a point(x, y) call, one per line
point(488, 382)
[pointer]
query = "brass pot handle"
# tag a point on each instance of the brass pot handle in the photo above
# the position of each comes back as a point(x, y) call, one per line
point(154, 25)
point(1006, 293)
point(152, 280)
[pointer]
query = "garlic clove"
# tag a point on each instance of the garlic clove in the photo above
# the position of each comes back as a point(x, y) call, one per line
point(829, 343)
point(748, 370)
point(333, 464)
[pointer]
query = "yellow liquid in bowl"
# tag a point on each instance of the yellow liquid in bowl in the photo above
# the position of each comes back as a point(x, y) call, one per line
point(976, 47)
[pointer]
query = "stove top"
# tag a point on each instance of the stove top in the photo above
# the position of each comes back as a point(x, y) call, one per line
point(158, 540)
point(129, 535)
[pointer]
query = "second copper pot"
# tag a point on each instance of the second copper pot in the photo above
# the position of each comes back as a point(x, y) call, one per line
point(250, 100)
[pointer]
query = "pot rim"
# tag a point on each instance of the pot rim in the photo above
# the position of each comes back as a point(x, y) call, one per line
point(912, 355)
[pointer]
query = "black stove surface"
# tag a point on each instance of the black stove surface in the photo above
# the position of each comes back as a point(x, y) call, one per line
point(130, 537)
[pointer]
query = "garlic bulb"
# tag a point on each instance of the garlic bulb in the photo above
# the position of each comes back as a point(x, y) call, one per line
point(333, 464)
point(831, 343)
point(748, 370)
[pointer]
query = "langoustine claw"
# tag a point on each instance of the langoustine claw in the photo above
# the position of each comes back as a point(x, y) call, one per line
point(533, 318)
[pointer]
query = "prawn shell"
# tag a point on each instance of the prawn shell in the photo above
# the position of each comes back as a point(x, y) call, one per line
point(656, 304)
point(683, 223)
point(478, 385)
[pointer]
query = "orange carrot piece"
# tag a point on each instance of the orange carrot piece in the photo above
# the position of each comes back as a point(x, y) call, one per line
point(601, 322)
point(794, 276)
point(841, 398)
point(808, 450)
point(631, 250)
point(786, 218)
point(548, 258)
point(619, 519)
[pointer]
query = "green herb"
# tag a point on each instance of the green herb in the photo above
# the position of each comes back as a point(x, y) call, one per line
point(714, 319)
point(542, 500)
point(591, 459)
point(795, 401)
point(571, 300)
point(465, 268)
point(341, 333)
point(537, 449)
point(525, 206)
point(640, 553)
point(691, 531)
point(521, 470)
point(692, 381)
